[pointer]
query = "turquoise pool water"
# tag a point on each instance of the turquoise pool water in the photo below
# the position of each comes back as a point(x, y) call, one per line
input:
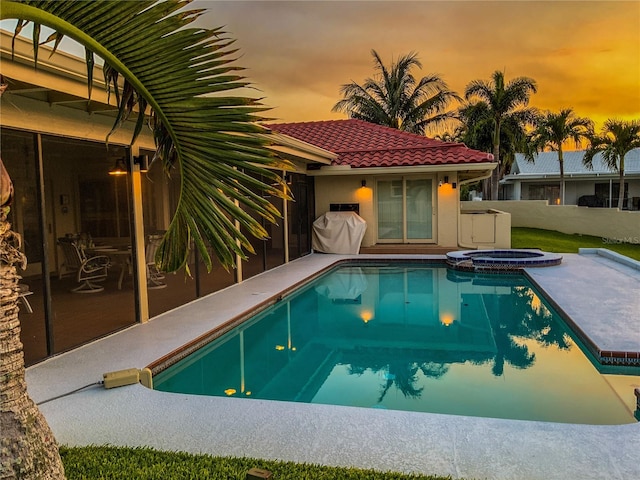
point(419, 338)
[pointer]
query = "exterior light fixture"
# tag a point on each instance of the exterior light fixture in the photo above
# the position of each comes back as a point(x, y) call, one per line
point(120, 168)
point(363, 183)
point(142, 161)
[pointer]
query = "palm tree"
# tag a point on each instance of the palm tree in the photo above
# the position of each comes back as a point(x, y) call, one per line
point(396, 99)
point(616, 140)
point(553, 130)
point(500, 103)
point(182, 76)
point(475, 131)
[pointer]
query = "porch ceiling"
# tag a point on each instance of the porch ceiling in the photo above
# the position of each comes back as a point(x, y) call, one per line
point(56, 97)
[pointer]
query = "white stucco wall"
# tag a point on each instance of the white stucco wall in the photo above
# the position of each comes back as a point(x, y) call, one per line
point(348, 189)
point(608, 223)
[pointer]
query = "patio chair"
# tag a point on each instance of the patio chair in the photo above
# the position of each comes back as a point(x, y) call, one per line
point(154, 276)
point(23, 293)
point(88, 269)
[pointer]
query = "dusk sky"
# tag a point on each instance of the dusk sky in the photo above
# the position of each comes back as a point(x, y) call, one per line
point(584, 55)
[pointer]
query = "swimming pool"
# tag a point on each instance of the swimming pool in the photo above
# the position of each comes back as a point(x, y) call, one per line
point(408, 337)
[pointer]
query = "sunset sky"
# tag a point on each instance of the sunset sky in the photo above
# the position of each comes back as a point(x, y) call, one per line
point(584, 55)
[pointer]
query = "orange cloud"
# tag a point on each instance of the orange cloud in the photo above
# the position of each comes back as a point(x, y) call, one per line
point(583, 55)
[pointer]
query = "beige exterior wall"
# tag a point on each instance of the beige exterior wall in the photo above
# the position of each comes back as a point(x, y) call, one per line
point(485, 229)
point(608, 223)
point(348, 189)
point(447, 208)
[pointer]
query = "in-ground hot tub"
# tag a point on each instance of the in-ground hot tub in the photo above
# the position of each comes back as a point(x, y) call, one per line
point(505, 259)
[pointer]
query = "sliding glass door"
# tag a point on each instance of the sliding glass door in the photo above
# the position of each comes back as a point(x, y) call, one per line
point(405, 210)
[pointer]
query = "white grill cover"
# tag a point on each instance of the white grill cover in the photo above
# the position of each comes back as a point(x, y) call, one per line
point(338, 232)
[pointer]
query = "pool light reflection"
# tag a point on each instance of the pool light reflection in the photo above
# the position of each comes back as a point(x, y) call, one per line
point(366, 316)
point(447, 319)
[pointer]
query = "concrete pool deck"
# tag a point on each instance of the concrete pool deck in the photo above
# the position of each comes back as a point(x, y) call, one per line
point(600, 294)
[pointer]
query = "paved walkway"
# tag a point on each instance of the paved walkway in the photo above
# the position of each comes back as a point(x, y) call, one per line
point(469, 447)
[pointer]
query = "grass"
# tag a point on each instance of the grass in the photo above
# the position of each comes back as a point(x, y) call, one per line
point(107, 462)
point(552, 241)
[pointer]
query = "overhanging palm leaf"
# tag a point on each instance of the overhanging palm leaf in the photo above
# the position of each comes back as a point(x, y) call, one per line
point(207, 138)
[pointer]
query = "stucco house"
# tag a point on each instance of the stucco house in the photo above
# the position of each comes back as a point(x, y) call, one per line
point(53, 145)
point(596, 187)
point(405, 186)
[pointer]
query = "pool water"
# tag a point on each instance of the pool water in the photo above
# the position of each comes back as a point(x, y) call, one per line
point(419, 338)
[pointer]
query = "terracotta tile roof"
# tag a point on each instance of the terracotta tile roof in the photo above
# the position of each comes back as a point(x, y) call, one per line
point(362, 144)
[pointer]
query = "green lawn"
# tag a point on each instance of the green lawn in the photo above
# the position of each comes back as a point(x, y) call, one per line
point(552, 241)
point(111, 463)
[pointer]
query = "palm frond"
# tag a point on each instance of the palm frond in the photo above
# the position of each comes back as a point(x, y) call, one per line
point(394, 98)
point(182, 74)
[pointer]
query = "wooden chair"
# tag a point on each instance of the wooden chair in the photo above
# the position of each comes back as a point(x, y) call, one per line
point(88, 269)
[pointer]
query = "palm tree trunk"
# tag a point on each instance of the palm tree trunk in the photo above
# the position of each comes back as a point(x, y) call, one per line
point(495, 175)
point(561, 162)
point(621, 194)
point(28, 449)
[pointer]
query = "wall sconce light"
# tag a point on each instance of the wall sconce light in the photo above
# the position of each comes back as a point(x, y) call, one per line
point(120, 168)
point(142, 161)
point(444, 180)
point(363, 183)
point(288, 179)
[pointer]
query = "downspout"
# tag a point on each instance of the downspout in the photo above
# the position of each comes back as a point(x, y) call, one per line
point(465, 182)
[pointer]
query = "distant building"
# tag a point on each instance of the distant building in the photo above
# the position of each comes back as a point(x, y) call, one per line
point(597, 187)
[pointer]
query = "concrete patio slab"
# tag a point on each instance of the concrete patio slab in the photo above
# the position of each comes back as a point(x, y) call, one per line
point(459, 446)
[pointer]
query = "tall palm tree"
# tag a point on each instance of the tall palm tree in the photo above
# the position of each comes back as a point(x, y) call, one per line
point(502, 103)
point(616, 139)
point(475, 131)
point(553, 130)
point(396, 99)
point(182, 76)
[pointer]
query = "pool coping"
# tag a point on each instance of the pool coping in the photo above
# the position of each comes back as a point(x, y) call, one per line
point(470, 447)
point(584, 323)
point(466, 259)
